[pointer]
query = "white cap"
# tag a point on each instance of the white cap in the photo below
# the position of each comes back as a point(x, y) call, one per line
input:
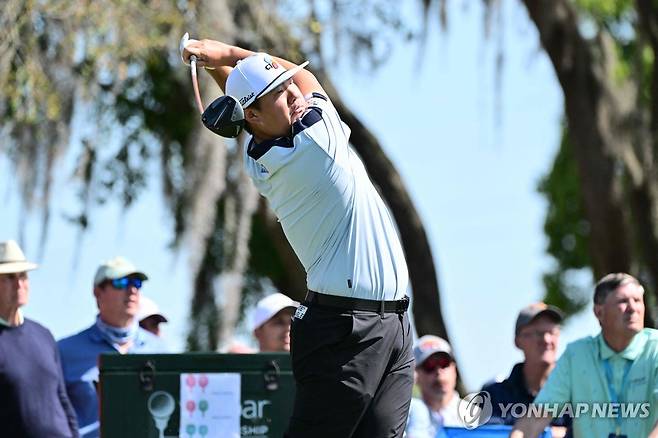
point(428, 345)
point(117, 267)
point(12, 259)
point(256, 76)
point(148, 307)
point(270, 306)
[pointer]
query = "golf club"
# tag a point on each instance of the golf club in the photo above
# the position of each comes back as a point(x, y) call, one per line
point(224, 116)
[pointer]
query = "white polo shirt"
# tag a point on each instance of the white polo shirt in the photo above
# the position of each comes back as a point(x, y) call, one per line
point(332, 215)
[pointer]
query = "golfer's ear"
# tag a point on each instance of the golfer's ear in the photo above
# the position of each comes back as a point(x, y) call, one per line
point(251, 116)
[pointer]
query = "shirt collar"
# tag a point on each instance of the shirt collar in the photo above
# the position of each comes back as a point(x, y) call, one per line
point(19, 315)
point(95, 335)
point(631, 352)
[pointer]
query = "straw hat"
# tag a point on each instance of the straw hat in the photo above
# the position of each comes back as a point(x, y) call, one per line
point(12, 259)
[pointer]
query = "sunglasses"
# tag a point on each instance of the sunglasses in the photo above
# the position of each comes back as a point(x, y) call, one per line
point(431, 364)
point(126, 282)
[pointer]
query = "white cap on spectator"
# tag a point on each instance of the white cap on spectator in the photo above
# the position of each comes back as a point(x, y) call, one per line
point(269, 306)
point(148, 307)
point(428, 345)
point(117, 267)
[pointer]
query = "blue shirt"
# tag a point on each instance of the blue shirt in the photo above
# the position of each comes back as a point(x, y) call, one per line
point(420, 422)
point(33, 401)
point(332, 215)
point(424, 422)
point(79, 354)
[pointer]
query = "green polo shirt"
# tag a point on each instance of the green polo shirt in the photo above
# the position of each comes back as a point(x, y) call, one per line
point(580, 377)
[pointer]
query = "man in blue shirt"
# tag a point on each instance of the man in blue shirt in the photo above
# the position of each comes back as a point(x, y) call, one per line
point(351, 338)
point(116, 288)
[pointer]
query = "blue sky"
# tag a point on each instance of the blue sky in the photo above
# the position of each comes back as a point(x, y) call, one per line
point(473, 181)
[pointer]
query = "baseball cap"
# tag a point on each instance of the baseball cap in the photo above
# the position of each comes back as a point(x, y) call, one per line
point(148, 307)
point(529, 313)
point(428, 345)
point(269, 306)
point(255, 76)
point(12, 259)
point(117, 267)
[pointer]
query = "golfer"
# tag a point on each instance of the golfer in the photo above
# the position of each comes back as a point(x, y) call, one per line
point(351, 338)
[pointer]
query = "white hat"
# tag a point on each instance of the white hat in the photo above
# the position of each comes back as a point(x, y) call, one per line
point(270, 306)
point(428, 345)
point(117, 267)
point(12, 259)
point(148, 307)
point(256, 76)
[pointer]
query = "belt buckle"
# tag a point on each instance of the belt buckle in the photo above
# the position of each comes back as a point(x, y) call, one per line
point(402, 305)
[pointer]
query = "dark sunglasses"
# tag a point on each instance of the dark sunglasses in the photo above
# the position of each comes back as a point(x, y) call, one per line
point(433, 362)
point(126, 282)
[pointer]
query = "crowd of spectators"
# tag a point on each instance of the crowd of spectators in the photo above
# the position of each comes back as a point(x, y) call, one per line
point(49, 388)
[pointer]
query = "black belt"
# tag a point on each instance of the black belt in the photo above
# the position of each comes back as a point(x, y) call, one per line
point(347, 303)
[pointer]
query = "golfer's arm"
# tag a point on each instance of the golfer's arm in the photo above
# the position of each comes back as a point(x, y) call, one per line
point(233, 55)
point(230, 56)
point(304, 79)
point(219, 75)
point(529, 427)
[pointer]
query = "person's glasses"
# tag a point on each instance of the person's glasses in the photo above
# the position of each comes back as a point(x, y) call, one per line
point(126, 282)
point(431, 364)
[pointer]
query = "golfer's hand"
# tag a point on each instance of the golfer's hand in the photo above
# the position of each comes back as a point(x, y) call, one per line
point(209, 53)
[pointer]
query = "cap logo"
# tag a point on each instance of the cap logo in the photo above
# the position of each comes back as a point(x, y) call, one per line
point(428, 344)
point(270, 63)
point(246, 98)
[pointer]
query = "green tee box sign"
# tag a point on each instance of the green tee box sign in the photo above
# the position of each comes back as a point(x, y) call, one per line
point(138, 391)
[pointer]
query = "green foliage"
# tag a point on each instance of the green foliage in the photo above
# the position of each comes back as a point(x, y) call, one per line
point(565, 224)
point(606, 11)
point(154, 105)
point(567, 230)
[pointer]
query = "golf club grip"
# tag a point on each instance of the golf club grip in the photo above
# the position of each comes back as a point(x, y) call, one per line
point(195, 84)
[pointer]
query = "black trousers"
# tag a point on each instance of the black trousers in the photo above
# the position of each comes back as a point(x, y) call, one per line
point(353, 371)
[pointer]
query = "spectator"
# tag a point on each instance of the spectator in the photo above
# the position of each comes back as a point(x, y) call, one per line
point(436, 376)
point(537, 334)
point(149, 315)
point(117, 286)
point(33, 400)
point(271, 322)
point(619, 365)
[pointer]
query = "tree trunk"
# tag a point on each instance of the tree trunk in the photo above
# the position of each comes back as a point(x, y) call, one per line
point(603, 120)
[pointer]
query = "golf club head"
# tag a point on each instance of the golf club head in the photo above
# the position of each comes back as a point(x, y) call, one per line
point(224, 117)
